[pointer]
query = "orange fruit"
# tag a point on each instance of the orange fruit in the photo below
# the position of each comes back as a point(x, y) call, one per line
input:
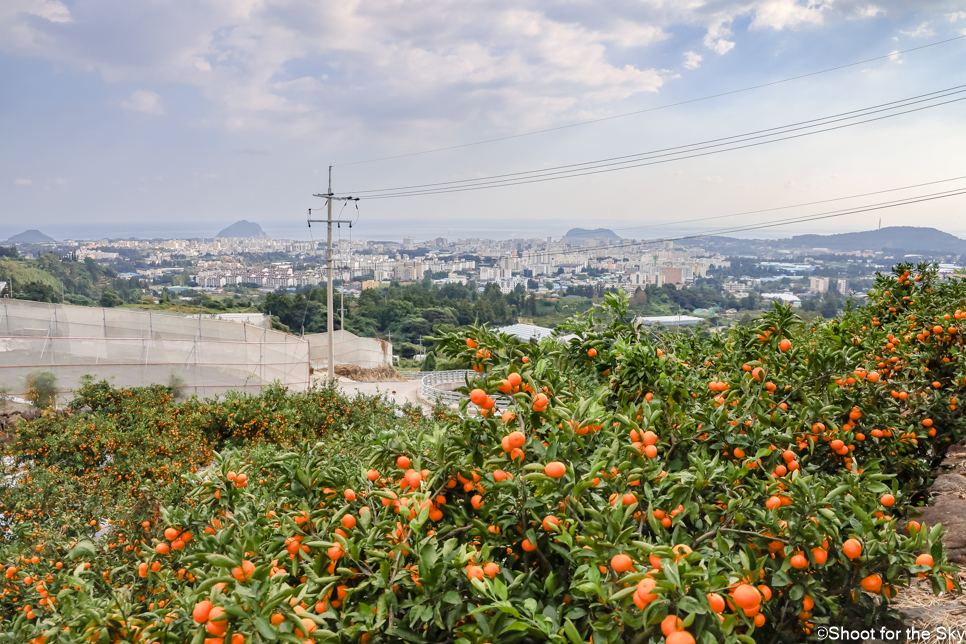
point(555, 469)
point(621, 563)
point(872, 583)
point(671, 624)
point(491, 569)
point(887, 500)
point(746, 596)
point(716, 601)
point(852, 548)
point(643, 592)
point(201, 611)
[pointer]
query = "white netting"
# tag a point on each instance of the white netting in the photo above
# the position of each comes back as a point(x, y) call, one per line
point(348, 348)
point(134, 348)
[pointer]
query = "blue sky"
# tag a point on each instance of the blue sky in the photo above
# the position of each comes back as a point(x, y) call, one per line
point(173, 117)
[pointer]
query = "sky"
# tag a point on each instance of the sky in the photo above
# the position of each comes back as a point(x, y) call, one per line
point(178, 117)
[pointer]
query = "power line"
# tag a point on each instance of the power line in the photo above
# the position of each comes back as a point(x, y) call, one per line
point(676, 153)
point(653, 109)
point(799, 205)
point(770, 224)
point(574, 167)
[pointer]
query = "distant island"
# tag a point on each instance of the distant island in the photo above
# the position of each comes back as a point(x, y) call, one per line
point(600, 234)
point(31, 237)
point(242, 228)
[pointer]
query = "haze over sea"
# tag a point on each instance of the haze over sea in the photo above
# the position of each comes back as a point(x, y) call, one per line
point(367, 229)
point(395, 230)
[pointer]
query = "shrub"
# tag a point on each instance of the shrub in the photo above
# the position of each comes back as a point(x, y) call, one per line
point(748, 487)
point(42, 389)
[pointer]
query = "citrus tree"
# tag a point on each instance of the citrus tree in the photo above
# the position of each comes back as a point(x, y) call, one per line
point(749, 486)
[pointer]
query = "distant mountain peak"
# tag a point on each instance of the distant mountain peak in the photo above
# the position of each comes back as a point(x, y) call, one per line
point(243, 228)
point(908, 238)
point(31, 237)
point(582, 234)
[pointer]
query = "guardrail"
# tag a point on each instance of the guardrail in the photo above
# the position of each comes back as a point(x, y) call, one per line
point(431, 392)
point(412, 375)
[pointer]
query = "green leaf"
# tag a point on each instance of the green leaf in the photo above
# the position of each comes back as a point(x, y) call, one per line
point(406, 635)
point(780, 579)
point(83, 549)
point(452, 597)
point(571, 632)
point(621, 594)
point(221, 561)
point(691, 605)
point(265, 628)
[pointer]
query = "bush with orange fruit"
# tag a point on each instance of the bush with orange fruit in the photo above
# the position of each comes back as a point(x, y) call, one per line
point(751, 485)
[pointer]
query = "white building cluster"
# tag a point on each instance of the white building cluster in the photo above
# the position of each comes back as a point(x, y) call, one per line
point(275, 276)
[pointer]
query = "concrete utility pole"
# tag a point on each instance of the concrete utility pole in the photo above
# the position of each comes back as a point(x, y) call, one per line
point(329, 197)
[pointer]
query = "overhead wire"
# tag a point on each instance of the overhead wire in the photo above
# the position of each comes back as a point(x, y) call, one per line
point(755, 212)
point(830, 118)
point(892, 55)
point(769, 224)
point(677, 153)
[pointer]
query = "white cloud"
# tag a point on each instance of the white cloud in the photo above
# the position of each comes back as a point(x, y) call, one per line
point(22, 24)
point(715, 179)
point(870, 11)
point(633, 34)
point(922, 31)
point(374, 65)
point(50, 10)
point(22, 182)
point(895, 57)
point(715, 40)
point(781, 14)
point(956, 16)
point(143, 101)
point(692, 60)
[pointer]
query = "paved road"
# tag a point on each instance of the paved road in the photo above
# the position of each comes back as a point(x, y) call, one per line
point(405, 391)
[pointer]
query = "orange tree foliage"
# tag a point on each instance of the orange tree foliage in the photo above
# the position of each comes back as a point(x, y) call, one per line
point(119, 453)
point(750, 486)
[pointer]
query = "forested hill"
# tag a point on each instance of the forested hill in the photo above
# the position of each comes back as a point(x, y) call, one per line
point(908, 238)
point(407, 312)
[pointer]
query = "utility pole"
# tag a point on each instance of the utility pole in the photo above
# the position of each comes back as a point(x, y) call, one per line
point(342, 311)
point(329, 197)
